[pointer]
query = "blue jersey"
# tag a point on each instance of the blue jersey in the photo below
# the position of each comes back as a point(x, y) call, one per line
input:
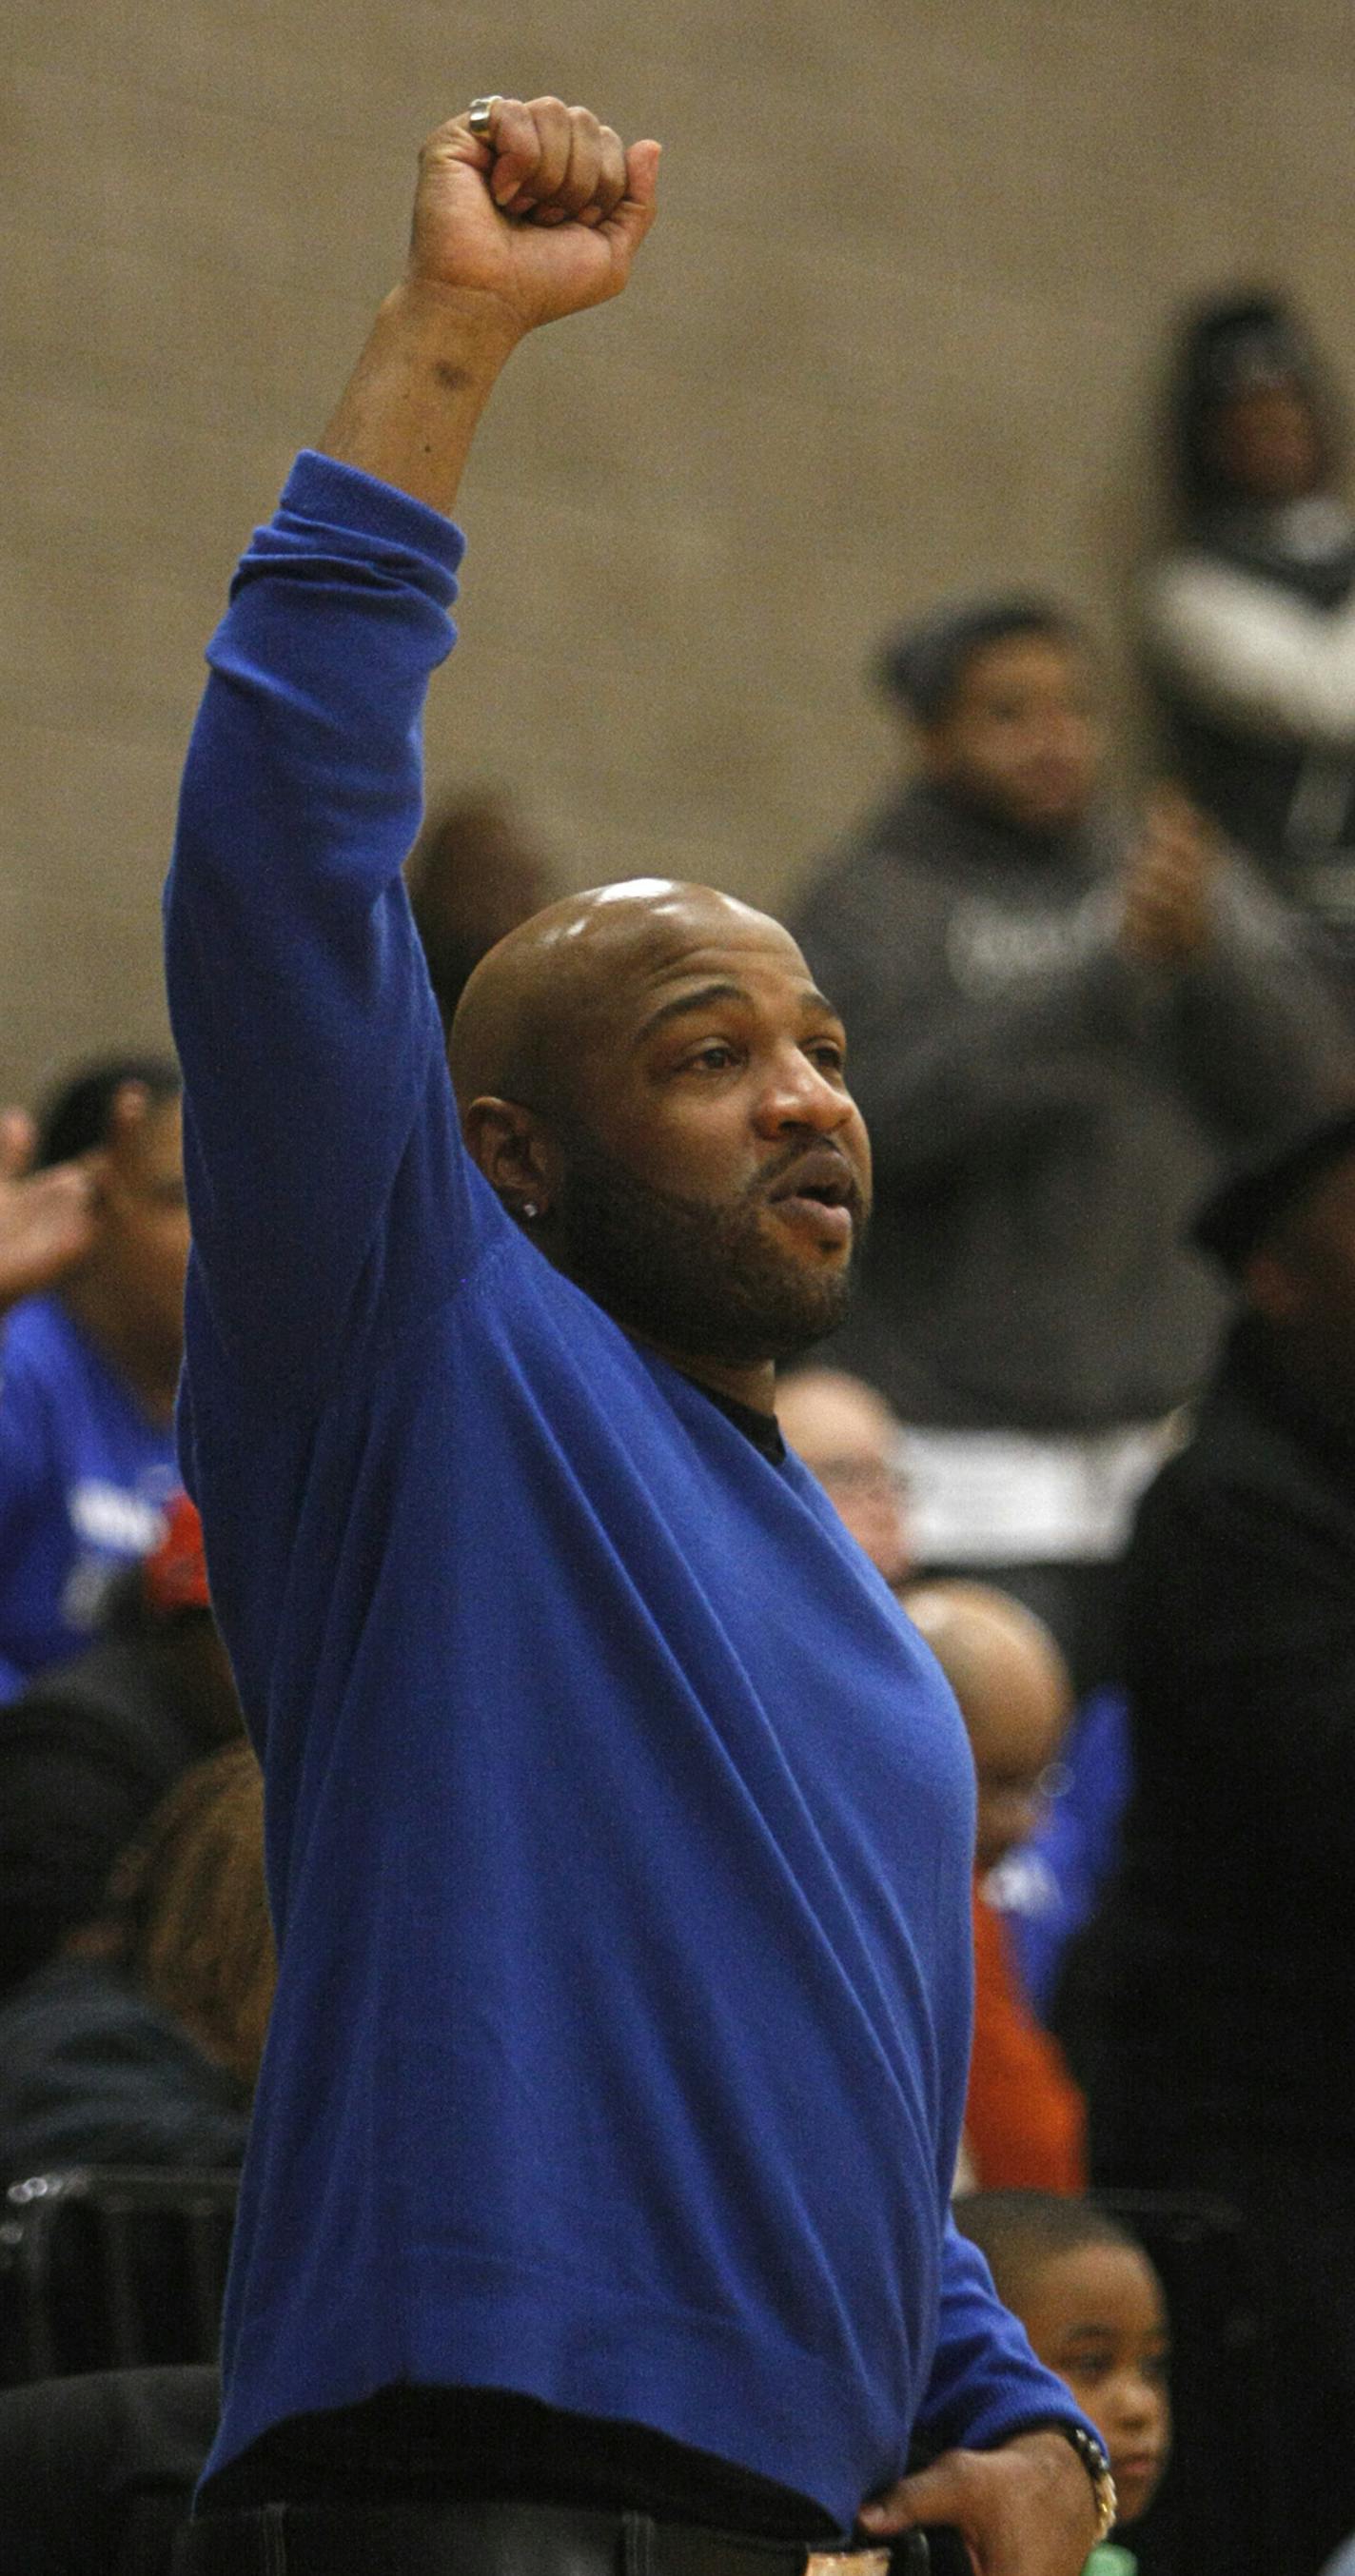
point(619, 1824)
point(84, 1473)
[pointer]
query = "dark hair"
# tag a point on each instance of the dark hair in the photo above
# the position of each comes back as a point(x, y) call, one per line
point(1269, 1185)
point(923, 664)
point(1225, 346)
point(77, 1115)
point(190, 1898)
point(473, 874)
point(1016, 2231)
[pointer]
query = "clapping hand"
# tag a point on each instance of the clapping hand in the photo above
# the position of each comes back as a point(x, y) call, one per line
point(48, 1220)
point(1168, 883)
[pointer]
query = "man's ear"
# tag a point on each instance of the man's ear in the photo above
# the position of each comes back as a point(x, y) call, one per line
point(515, 1150)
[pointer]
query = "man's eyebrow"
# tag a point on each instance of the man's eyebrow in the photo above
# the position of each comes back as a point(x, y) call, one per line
point(723, 989)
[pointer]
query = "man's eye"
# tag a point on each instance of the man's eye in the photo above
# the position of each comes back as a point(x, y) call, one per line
point(827, 1053)
point(715, 1056)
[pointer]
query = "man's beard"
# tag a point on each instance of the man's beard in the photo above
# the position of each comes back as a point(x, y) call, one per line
point(699, 1279)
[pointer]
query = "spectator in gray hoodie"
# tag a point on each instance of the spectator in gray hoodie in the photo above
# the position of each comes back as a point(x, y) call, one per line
point(1064, 1020)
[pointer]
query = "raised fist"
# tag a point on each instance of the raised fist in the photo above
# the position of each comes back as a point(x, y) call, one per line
point(544, 217)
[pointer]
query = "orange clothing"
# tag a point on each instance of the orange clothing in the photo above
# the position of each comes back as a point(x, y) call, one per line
point(1025, 2125)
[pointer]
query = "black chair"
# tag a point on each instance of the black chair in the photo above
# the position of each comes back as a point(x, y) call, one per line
point(109, 2267)
point(97, 2472)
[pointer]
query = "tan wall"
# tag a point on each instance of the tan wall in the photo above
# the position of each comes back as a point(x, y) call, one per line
point(894, 335)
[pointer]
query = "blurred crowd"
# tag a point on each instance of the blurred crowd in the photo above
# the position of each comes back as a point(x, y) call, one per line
point(1092, 1418)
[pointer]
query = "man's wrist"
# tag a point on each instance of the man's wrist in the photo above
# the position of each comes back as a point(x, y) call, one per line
point(410, 409)
point(1094, 2460)
point(466, 330)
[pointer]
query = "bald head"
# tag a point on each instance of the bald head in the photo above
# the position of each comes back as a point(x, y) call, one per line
point(853, 1442)
point(555, 996)
point(652, 1086)
point(825, 1411)
point(1015, 1697)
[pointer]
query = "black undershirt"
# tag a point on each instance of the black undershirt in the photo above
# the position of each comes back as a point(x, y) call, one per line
point(445, 2445)
point(762, 1429)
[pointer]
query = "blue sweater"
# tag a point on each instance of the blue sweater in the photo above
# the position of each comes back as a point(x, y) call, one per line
point(84, 1473)
point(619, 1825)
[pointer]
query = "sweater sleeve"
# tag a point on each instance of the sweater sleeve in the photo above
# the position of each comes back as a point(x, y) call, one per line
point(324, 1174)
point(986, 2384)
point(1252, 657)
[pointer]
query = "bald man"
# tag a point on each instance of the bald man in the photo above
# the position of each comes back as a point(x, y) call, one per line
point(1025, 2120)
point(595, 2215)
point(853, 1441)
point(1016, 1698)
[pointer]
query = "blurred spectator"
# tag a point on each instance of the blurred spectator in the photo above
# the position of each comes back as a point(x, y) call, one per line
point(1048, 1887)
point(140, 2042)
point(1061, 1023)
point(1211, 2008)
point(90, 1368)
point(47, 1218)
point(1249, 618)
point(1024, 2124)
point(848, 1437)
point(473, 875)
point(1093, 2307)
point(91, 1746)
point(97, 2472)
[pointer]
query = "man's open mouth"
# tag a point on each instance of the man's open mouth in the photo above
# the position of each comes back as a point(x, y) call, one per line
point(820, 1190)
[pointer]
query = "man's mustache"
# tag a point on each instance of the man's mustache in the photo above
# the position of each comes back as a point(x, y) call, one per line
point(787, 1162)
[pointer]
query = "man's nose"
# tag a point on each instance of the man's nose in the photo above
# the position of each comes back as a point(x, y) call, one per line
point(798, 1095)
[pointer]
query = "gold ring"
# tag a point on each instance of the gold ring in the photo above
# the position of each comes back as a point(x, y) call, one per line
point(481, 110)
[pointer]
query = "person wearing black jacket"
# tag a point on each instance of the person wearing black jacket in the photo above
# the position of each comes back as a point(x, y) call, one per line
point(92, 1745)
point(1211, 2009)
point(139, 2042)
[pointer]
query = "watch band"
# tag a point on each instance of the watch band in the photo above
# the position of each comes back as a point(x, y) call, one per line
point(1097, 2466)
point(1095, 2461)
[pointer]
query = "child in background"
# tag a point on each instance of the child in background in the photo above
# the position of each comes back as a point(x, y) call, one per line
point(1093, 2308)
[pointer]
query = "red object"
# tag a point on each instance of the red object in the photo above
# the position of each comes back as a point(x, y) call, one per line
point(1025, 2123)
point(175, 1572)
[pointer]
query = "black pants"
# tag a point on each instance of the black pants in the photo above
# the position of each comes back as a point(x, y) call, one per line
point(478, 2539)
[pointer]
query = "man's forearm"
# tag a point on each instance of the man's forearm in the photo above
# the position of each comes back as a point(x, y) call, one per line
point(534, 217)
point(409, 411)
